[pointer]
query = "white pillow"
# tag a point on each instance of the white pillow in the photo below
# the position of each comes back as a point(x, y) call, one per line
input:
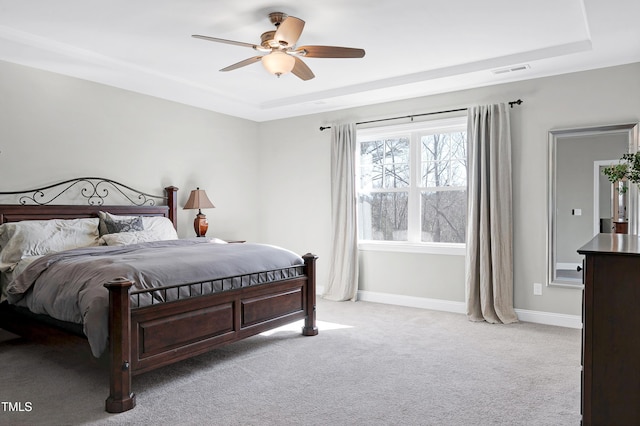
point(160, 226)
point(19, 240)
point(126, 238)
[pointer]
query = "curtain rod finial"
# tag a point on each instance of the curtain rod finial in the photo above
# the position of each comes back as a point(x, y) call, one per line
point(512, 103)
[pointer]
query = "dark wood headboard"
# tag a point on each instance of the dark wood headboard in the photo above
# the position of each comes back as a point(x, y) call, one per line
point(36, 204)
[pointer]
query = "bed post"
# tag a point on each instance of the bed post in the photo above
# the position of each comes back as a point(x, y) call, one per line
point(310, 328)
point(120, 398)
point(172, 202)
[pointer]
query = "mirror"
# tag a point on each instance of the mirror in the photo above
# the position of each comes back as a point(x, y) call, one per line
point(582, 202)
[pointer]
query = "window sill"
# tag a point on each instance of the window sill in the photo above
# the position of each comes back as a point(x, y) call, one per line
point(406, 247)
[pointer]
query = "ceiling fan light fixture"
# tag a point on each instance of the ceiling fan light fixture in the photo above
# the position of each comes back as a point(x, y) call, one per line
point(278, 63)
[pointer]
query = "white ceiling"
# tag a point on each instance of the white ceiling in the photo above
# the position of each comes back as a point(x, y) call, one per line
point(413, 47)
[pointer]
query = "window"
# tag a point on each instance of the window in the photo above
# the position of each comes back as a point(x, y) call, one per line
point(412, 183)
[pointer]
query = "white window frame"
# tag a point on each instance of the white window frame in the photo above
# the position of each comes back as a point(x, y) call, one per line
point(413, 245)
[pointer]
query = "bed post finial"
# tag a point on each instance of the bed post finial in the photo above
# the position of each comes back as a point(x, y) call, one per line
point(120, 397)
point(310, 328)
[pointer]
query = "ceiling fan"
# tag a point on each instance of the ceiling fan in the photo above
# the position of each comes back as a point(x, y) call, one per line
point(282, 56)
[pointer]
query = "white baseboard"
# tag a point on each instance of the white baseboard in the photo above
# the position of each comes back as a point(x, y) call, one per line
point(550, 318)
point(538, 317)
point(413, 302)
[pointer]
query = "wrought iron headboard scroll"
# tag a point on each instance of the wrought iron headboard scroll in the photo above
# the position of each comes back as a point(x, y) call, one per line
point(94, 189)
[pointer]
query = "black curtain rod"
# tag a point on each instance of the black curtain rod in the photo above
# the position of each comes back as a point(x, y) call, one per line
point(511, 104)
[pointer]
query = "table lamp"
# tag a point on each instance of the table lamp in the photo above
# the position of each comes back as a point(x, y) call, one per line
point(198, 200)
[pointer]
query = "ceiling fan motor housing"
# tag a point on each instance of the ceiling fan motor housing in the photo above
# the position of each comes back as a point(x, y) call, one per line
point(267, 40)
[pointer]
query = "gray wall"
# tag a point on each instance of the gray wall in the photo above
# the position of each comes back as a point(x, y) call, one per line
point(270, 181)
point(54, 127)
point(599, 97)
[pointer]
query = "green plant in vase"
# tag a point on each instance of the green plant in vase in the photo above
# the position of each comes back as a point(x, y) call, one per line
point(628, 170)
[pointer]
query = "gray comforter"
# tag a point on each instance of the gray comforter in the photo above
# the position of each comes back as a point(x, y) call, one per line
point(69, 285)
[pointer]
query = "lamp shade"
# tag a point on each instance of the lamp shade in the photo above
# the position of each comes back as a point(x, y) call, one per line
point(198, 200)
point(278, 62)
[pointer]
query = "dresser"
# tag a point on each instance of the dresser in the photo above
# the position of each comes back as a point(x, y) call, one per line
point(611, 331)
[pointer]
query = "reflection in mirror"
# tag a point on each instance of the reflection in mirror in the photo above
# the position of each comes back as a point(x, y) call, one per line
point(581, 200)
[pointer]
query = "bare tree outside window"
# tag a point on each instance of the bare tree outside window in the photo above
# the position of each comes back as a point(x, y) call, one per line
point(384, 165)
point(429, 167)
point(444, 184)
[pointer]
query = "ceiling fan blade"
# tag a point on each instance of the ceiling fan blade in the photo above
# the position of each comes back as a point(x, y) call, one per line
point(331, 52)
point(289, 31)
point(244, 63)
point(222, 40)
point(301, 70)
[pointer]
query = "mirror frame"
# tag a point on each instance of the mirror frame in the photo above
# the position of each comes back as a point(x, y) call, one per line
point(631, 130)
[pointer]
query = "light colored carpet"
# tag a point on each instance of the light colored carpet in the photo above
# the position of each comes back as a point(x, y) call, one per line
point(371, 364)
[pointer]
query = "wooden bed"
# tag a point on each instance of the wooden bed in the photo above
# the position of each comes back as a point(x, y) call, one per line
point(145, 338)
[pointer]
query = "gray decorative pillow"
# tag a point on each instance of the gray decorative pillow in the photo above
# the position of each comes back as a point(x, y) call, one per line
point(123, 225)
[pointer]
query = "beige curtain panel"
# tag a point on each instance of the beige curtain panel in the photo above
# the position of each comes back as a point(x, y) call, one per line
point(343, 271)
point(489, 260)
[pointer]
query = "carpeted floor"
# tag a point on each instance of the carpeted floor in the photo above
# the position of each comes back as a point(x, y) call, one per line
point(371, 364)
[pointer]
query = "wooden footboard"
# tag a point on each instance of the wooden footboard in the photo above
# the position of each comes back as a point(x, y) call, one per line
point(149, 337)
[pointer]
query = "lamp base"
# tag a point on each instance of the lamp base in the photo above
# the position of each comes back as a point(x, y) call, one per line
point(201, 225)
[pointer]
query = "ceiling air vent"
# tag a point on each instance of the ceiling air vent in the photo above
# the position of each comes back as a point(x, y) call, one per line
point(511, 69)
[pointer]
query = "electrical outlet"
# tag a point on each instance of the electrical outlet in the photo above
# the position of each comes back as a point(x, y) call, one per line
point(537, 289)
